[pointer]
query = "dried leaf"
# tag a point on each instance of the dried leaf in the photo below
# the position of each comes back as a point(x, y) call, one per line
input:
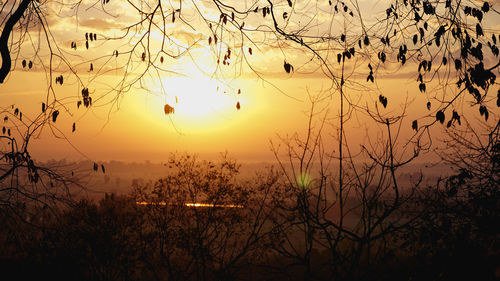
point(54, 115)
point(383, 100)
point(440, 116)
point(288, 67)
point(168, 109)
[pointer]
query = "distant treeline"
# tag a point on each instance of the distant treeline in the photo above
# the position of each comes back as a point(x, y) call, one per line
point(448, 231)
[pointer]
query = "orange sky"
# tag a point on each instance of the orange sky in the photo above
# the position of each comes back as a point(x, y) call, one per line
point(206, 120)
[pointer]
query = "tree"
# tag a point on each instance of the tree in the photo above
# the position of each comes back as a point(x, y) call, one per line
point(448, 47)
point(205, 223)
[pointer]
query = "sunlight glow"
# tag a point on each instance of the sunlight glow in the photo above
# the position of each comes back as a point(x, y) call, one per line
point(192, 205)
point(197, 97)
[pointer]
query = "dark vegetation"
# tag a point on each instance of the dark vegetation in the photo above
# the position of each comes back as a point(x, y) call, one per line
point(305, 219)
point(447, 231)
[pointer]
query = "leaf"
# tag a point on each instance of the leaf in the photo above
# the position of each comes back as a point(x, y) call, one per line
point(250, 51)
point(342, 37)
point(382, 57)
point(458, 64)
point(96, 166)
point(366, 41)
point(210, 40)
point(288, 67)
point(421, 87)
point(43, 107)
point(239, 91)
point(143, 56)
point(30, 64)
point(415, 38)
point(440, 116)
point(24, 63)
point(102, 169)
point(289, 3)
point(445, 61)
point(54, 115)
point(414, 125)
point(383, 100)
point(486, 7)
point(238, 106)
point(484, 111)
point(428, 105)
point(87, 44)
point(479, 30)
point(168, 109)
point(161, 59)
point(73, 127)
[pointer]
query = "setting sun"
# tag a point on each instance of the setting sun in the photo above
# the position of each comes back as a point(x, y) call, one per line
point(198, 97)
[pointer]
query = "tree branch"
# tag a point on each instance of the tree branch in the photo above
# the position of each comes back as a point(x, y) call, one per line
point(4, 38)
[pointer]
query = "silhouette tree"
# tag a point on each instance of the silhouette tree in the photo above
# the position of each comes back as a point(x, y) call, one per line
point(448, 47)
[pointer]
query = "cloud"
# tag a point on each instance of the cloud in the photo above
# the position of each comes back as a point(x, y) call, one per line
point(100, 24)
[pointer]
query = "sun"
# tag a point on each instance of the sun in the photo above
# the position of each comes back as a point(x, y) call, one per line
point(198, 97)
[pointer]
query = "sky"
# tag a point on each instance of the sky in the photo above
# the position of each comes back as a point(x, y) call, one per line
point(131, 125)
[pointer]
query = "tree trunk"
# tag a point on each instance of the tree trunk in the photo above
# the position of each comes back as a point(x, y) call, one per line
point(4, 38)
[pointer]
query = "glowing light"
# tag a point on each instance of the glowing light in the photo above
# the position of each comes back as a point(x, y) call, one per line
point(191, 205)
point(304, 180)
point(197, 97)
